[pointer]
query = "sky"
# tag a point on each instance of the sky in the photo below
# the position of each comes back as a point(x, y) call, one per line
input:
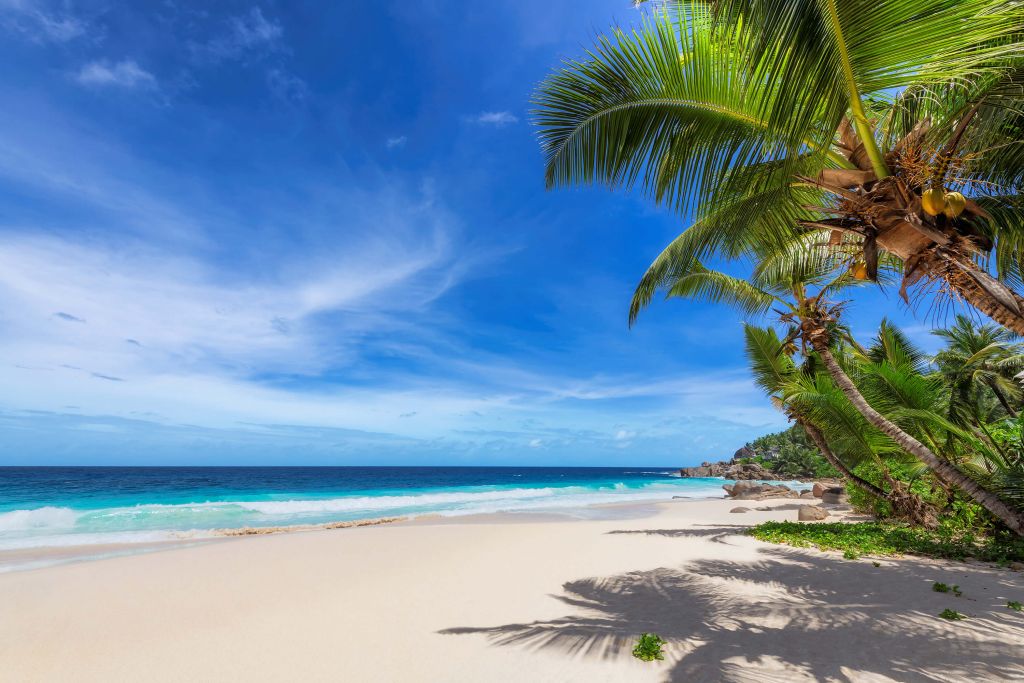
point(317, 233)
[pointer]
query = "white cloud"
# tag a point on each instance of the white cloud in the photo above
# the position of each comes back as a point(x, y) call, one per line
point(397, 141)
point(287, 86)
point(38, 24)
point(247, 33)
point(496, 118)
point(123, 74)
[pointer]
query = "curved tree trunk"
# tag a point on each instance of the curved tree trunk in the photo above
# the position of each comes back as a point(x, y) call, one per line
point(904, 503)
point(819, 440)
point(977, 287)
point(1014, 519)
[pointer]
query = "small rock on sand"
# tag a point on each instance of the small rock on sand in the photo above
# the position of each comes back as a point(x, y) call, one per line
point(835, 496)
point(818, 489)
point(740, 510)
point(811, 513)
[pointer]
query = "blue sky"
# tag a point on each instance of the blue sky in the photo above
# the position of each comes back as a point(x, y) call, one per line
point(317, 233)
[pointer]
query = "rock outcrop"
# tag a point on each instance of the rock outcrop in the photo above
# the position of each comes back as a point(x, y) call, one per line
point(738, 471)
point(747, 490)
point(835, 495)
point(811, 513)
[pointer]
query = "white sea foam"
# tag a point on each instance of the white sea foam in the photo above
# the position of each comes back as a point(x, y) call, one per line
point(147, 523)
point(44, 518)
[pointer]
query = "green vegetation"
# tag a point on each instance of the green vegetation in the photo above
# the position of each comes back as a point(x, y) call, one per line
point(940, 587)
point(877, 538)
point(789, 454)
point(648, 647)
point(877, 158)
point(951, 614)
point(1014, 605)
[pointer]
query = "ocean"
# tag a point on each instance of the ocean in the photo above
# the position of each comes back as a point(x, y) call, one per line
point(43, 507)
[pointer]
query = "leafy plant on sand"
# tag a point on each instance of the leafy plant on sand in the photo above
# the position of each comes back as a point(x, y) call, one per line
point(951, 614)
point(876, 538)
point(648, 647)
point(1014, 605)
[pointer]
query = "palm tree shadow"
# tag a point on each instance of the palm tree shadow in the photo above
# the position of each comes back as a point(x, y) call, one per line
point(791, 615)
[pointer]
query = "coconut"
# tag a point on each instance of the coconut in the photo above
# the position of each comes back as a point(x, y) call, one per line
point(954, 205)
point(933, 201)
point(859, 270)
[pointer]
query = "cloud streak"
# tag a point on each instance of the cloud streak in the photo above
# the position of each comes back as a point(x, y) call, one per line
point(126, 74)
point(498, 119)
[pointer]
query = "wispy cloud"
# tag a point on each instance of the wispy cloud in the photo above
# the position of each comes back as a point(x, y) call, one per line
point(37, 23)
point(124, 74)
point(245, 34)
point(287, 86)
point(496, 118)
point(67, 316)
point(395, 142)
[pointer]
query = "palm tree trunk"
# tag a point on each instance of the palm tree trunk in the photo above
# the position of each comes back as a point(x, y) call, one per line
point(1014, 519)
point(819, 440)
point(978, 288)
point(904, 503)
point(1003, 400)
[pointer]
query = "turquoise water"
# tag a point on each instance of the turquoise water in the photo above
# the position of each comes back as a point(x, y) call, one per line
point(71, 506)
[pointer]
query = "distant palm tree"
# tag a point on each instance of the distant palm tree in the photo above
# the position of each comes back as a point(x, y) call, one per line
point(768, 120)
point(979, 359)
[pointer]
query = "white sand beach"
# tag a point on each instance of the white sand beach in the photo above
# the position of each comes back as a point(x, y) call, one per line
point(511, 598)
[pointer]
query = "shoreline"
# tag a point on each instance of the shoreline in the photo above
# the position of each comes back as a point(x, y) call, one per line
point(40, 556)
point(512, 600)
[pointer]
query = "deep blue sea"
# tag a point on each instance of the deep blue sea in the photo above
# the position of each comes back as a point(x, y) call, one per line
point(65, 506)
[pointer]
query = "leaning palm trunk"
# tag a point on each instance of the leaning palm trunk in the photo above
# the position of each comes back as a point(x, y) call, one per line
point(904, 503)
point(819, 440)
point(1013, 519)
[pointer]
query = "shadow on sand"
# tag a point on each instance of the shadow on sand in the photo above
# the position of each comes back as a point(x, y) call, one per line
point(791, 615)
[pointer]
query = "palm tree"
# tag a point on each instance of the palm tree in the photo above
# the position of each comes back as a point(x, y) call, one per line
point(978, 359)
point(811, 399)
point(763, 120)
point(816, 323)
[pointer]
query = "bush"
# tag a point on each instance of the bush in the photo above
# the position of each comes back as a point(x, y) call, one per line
point(648, 648)
point(879, 538)
point(899, 470)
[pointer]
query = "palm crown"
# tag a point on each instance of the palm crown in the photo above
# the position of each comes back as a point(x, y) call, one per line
point(787, 122)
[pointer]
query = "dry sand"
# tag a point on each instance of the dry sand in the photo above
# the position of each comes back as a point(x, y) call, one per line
point(511, 598)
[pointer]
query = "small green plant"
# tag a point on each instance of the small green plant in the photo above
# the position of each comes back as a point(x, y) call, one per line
point(957, 592)
point(850, 554)
point(940, 587)
point(648, 648)
point(1014, 605)
point(951, 614)
point(879, 538)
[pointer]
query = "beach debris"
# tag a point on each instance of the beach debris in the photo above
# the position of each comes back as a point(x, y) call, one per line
point(811, 513)
point(740, 509)
point(265, 530)
point(649, 647)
